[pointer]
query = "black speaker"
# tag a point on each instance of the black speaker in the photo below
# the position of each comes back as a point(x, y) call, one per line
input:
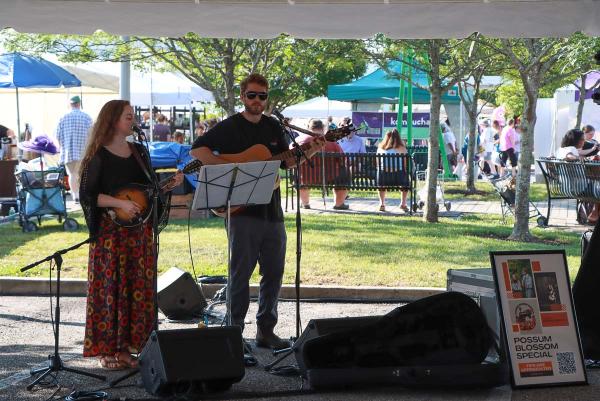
point(179, 297)
point(320, 327)
point(192, 360)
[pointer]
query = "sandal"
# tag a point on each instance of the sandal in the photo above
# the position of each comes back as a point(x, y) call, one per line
point(382, 208)
point(127, 360)
point(405, 208)
point(111, 363)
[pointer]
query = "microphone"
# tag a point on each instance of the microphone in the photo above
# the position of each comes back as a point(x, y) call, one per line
point(277, 114)
point(141, 136)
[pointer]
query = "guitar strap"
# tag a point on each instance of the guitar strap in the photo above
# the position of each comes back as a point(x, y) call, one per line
point(143, 165)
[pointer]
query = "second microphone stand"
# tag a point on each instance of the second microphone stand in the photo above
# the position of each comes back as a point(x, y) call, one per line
point(56, 363)
point(299, 155)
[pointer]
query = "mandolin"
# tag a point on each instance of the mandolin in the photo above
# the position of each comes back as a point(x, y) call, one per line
point(262, 153)
point(142, 195)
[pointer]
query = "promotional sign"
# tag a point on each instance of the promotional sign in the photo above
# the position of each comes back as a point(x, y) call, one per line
point(377, 123)
point(542, 340)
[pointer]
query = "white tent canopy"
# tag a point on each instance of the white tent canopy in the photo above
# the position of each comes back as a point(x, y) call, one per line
point(166, 88)
point(306, 18)
point(319, 107)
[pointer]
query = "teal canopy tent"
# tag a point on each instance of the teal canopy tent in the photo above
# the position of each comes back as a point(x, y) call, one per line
point(379, 87)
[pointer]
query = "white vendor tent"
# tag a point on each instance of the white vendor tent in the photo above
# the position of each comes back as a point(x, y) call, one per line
point(319, 107)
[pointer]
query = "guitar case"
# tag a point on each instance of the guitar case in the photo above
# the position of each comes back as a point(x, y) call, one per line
point(442, 340)
point(585, 290)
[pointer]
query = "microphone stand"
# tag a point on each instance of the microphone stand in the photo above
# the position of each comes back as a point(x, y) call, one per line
point(141, 138)
point(56, 363)
point(298, 154)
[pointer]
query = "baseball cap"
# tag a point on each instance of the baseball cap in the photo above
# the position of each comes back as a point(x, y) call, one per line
point(75, 99)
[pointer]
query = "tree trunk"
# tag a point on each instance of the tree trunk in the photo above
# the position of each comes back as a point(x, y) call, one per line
point(581, 103)
point(431, 207)
point(472, 148)
point(521, 228)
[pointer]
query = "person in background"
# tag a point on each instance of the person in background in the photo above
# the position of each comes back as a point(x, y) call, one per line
point(314, 174)
point(496, 159)
point(6, 132)
point(487, 141)
point(120, 312)
point(450, 144)
point(589, 147)
point(210, 123)
point(507, 146)
point(390, 172)
point(517, 143)
point(162, 131)
point(179, 137)
point(330, 124)
point(72, 134)
point(569, 150)
point(353, 144)
point(200, 128)
point(570, 145)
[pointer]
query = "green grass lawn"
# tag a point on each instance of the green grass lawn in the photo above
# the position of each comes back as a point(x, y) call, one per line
point(337, 249)
point(454, 190)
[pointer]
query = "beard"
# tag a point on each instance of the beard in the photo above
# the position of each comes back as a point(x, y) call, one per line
point(254, 108)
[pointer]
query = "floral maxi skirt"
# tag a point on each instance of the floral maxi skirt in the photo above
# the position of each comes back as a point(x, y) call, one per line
point(120, 300)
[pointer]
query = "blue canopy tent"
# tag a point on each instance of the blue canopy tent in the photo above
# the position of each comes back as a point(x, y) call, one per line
point(171, 154)
point(22, 71)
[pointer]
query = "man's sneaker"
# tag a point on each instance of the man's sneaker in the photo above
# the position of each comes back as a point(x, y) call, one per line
point(343, 206)
point(269, 339)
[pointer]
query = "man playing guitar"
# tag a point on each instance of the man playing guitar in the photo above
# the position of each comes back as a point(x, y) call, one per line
point(257, 232)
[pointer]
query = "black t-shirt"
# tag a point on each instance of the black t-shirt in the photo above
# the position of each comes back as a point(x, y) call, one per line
point(236, 134)
point(586, 145)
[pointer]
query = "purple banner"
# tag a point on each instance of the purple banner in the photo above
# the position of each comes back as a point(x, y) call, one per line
point(375, 122)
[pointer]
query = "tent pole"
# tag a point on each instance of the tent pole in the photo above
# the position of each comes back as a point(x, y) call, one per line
point(409, 111)
point(400, 114)
point(18, 135)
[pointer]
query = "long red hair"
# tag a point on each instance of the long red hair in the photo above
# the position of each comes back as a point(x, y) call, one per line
point(103, 130)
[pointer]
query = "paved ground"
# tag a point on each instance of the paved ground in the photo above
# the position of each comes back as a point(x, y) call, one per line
point(26, 339)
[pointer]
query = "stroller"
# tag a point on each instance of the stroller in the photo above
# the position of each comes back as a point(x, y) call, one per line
point(505, 186)
point(41, 193)
point(422, 192)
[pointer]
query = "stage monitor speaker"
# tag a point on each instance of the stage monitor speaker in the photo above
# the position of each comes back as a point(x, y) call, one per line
point(179, 296)
point(320, 327)
point(192, 360)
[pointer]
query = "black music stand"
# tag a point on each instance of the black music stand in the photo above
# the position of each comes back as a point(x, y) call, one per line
point(56, 363)
point(236, 184)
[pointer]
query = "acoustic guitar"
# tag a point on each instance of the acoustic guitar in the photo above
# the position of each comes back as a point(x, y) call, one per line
point(260, 152)
point(142, 195)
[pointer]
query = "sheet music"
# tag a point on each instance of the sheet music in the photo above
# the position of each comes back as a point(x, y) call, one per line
point(253, 184)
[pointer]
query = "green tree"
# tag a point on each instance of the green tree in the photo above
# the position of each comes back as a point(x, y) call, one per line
point(482, 62)
point(534, 60)
point(436, 59)
point(297, 69)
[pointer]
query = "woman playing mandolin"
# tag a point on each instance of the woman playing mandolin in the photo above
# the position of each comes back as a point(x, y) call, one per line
point(120, 302)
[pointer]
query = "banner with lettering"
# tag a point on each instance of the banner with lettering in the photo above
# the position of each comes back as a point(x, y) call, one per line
point(542, 340)
point(377, 123)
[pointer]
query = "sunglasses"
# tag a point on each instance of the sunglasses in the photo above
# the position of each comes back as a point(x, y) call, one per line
point(261, 95)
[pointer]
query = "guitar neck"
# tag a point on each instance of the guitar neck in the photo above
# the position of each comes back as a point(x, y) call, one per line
point(288, 154)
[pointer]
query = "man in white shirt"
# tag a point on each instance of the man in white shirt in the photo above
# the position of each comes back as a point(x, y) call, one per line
point(450, 144)
point(353, 144)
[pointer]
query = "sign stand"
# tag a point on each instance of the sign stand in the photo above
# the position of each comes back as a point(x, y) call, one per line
point(538, 318)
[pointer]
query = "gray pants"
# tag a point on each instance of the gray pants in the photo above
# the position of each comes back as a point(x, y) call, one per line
point(256, 240)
